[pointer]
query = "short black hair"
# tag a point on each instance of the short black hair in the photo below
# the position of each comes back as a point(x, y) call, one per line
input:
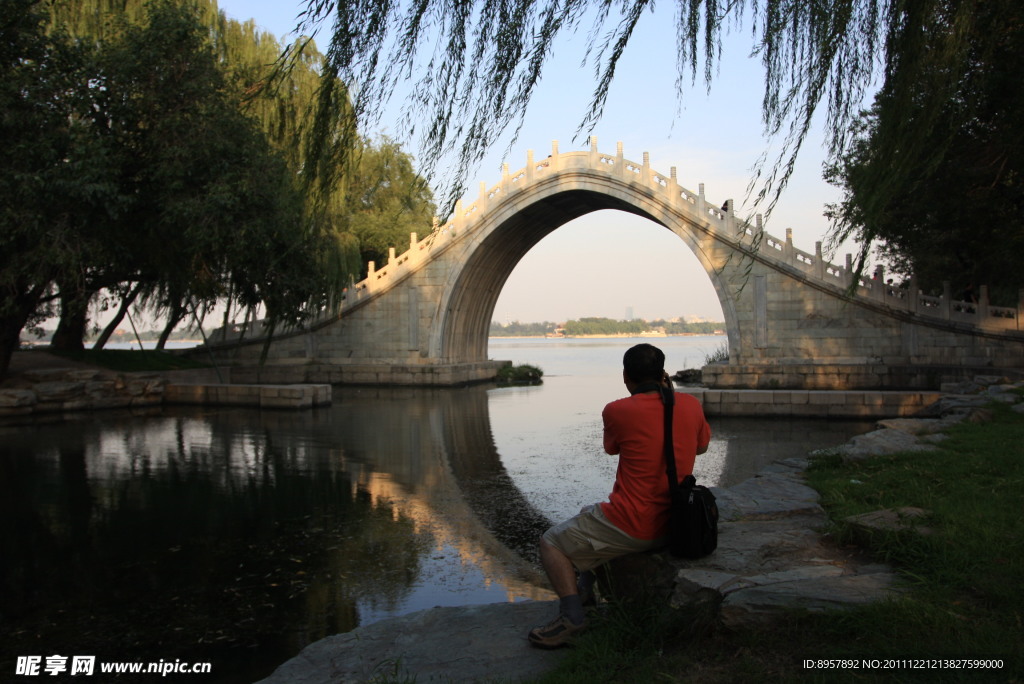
point(644, 363)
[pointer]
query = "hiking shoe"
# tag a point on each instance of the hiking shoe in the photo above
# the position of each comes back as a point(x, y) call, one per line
point(559, 632)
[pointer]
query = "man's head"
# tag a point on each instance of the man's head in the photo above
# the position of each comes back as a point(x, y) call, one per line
point(643, 363)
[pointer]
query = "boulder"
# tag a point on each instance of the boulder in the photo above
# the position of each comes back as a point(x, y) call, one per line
point(17, 398)
point(879, 442)
point(58, 391)
point(771, 559)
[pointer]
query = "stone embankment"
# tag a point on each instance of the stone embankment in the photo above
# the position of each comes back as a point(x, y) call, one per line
point(63, 390)
point(58, 391)
point(772, 557)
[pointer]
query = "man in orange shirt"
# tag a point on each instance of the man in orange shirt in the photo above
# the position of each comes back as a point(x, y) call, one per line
point(635, 517)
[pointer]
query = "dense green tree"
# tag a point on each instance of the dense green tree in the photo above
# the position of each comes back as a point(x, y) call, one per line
point(519, 329)
point(948, 205)
point(342, 213)
point(56, 177)
point(604, 326)
point(385, 200)
point(132, 168)
point(201, 177)
point(162, 159)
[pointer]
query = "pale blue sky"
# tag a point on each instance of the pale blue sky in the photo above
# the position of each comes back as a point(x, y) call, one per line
point(606, 263)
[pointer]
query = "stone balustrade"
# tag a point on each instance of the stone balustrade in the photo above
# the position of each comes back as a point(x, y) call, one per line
point(719, 220)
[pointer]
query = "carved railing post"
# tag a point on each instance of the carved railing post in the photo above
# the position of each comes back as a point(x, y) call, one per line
point(982, 308)
point(701, 208)
point(673, 187)
point(788, 251)
point(529, 166)
point(645, 172)
point(620, 168)
point(819, 260)
point(554, 156)
point(913, 295)
point(594, 156)
point(1020, 309)
point(947, 300)
point(391, 255)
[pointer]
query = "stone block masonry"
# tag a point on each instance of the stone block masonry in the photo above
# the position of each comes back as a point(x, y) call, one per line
point(811, 403)
point(61, 391)
point(259, 396)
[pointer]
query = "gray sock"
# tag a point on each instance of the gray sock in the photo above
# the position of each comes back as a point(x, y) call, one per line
point(572, 608)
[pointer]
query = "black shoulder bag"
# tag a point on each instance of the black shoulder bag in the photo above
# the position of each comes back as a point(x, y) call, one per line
point(693, 519)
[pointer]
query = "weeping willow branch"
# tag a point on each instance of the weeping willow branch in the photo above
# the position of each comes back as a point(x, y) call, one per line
point(467, 70)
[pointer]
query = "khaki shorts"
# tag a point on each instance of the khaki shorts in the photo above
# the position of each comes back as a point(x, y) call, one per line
point(589, 539)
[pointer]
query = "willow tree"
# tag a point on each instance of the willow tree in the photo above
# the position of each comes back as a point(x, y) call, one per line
point(236, 62)
point(474, 65)
point(947, 205)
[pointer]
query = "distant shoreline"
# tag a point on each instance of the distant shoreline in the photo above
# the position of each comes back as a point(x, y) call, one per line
point(592, 337)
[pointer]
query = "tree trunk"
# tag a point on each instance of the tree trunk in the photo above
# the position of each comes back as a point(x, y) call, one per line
point(10, 330)
point(227, 317)
point(11, 324)
point(74, 318)
point(126, 301)
point(175, 316)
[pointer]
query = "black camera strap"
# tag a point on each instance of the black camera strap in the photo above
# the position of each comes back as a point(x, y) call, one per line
point(668, 398)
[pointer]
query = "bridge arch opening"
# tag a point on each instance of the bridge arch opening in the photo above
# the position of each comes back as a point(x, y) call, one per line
point(608, 264)
point(474, 292)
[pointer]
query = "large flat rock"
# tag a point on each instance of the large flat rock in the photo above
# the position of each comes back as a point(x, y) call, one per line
point(483, 643)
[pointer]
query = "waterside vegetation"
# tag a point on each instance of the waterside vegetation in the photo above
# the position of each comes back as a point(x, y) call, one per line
point(523, 374)
point(606, 326)
point(962, 583)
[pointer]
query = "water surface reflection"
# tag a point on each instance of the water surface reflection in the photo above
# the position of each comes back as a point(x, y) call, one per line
point(238, 536)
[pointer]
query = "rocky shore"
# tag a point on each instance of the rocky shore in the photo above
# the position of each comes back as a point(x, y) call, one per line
point(772, 557)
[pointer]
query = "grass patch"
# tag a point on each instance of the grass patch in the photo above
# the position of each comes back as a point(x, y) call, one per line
point(130, 361)
point(719, 355)
point(963, 599)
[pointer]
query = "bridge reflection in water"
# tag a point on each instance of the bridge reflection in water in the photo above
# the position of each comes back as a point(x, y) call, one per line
point(237, 537)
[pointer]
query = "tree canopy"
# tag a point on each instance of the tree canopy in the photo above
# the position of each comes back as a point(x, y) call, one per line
point(946, 205)
point(157, 156)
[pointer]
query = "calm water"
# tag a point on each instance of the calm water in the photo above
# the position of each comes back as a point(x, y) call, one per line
point(237, 536)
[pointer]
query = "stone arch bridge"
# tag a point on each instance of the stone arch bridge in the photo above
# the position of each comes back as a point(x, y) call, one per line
point(792, 322)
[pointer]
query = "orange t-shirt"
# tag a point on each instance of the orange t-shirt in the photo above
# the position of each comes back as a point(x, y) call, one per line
point(634, 429)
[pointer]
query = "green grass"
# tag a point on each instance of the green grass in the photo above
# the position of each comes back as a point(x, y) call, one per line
point(129, 361)
point(964, 582)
